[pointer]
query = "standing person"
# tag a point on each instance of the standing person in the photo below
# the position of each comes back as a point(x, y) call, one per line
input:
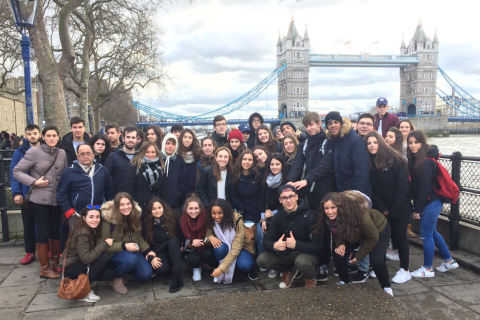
point(5, 140)
point(312, 174)
point(235, 144)
point(129, 252)
point(290, 243)
point(265, 138)
point(112, 131)
point(207, 154)
point(189, 150)
point(194, 227)
point(140, 138)
point(426, 205)
point(176, 129)
point(99, 144)
point(365, 124)
point(351, 225)
point(290, 144)
point(245, 130)
point(219, 133)
point(394, 139)
point(119, 161)
point(383, 119)
point(215, 180)
point(354, 123)
point(85, 251)
point(226, 234)
point(390, 196)
point(162, 232)
point(16, 142)
point(40, 169)
point(72, 140)
point(288, 127)
point(32, 132)
point(145, 179)
point(175, 171)
point(254, 122)
point(155, 134)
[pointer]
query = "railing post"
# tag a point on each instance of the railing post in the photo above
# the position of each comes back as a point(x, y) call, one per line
point(455, 208)
point(3, 203)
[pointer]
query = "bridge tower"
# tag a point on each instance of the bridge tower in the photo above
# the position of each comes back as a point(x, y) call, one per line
point(418, 82)
point(294, 50)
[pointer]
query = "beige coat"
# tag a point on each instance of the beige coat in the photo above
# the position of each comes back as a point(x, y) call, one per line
point(36, 162)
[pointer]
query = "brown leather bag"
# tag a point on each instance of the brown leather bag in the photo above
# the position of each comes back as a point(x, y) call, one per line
point(73, 289)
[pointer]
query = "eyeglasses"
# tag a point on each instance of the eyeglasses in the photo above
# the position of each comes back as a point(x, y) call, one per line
point(85, 154)
point(90, 207)
point(290, 197)
point(256, 120)
point(367, 124)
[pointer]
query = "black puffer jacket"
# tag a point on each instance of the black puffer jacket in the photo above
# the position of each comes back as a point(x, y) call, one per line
point(117, 163)
point(176, 180)
point(302, 225)
point(269, 197)
point(207, 187)
point(245, 195)
point(253, 133)
point(390, 189)
point(421, 190)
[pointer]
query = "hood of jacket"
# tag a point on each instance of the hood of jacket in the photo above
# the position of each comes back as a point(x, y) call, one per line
point(433, 152)
point(107, 211)
point(250, 119)
point(164, 142)
point(344, 130)
point(25, 145)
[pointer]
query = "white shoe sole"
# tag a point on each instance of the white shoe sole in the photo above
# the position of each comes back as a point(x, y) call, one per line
point(423, 276)
point(403, 280)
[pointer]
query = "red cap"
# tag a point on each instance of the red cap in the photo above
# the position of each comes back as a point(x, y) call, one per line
point(235, 134)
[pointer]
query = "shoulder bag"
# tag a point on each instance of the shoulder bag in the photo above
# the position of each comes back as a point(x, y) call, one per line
point(73, 289)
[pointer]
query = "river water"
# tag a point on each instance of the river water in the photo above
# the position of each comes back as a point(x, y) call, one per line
point(468, 145)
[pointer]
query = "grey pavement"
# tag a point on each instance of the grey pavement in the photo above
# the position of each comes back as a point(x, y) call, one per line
point(452, 295)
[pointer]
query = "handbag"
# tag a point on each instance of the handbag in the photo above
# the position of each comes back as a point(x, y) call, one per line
point(26, 198)
point(73, 289)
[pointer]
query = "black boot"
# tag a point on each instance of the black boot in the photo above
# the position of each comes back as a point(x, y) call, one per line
point(177, 283)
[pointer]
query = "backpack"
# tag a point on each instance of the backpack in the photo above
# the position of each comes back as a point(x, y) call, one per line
point(447, 191)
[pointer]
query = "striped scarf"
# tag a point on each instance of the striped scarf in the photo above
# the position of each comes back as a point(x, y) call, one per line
point(152, 170)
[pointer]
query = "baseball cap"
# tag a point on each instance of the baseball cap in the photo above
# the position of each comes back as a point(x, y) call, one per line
point(243, 127)
point(382, 101)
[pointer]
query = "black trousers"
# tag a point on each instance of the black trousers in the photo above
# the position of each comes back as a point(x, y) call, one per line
point(47, 219)
point(399, 236)
point(194, 259)
point(171, 258)
point(377, 259)
point(208, 256)
point(28, 221)
point(99, 270)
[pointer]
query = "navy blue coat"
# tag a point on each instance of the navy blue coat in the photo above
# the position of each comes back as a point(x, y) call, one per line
point(176, 180)
point(76, 189)
point(245, 195)
point(17, 187)
point(117, 164)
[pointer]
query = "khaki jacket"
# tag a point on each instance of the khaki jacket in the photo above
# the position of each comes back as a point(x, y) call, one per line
point(82, 251)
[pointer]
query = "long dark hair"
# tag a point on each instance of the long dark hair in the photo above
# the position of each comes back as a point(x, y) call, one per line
point(398, 144)
point(294, 139)
point(415, 161)
point(227, 210)
point(386, 157)
point(271, 144)
point(126, 223)
point(349, 215)
point(97, 137)
point(169, 218)
point(93, 234)
point(194, 148)
point(278, 157)
point(237, 169)
point(216, 168)
point(158, 132)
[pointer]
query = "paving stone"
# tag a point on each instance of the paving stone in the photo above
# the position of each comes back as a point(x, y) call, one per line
point(33, 264)
point(72, 314)
point(452, 277)
point(467, 293)
point(50, 301)
point(244, 289)
point(475, 308)
point(5, 271)
point(161, 286)
point(17, 296)
point(409, 287)
point(207, 282)
point(22, 276)
point(433, 305)
point(51, 285)
point(11, 314)
point(137, 292)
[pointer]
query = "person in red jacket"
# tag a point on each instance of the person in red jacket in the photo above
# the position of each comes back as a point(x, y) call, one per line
point(383, 119)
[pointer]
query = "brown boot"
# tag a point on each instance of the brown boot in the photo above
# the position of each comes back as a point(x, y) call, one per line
point(118, 286)
point(54, 252)
point(310, 283)
point(410, 233)
point(45, 269)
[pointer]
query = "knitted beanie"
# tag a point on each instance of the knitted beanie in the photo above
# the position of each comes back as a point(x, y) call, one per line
point(235, 134)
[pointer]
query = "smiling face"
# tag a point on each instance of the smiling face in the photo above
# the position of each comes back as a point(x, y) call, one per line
point(289, 145)
point(130, 139)
point(372, 145)
point(288, 199)
point(263, 135)
point(414, 145)
point(92, 219)
point(193, 209)
point(331, 210)
point(390, 138)
point(151, 136)
point(364, 126)
point(157, 210)
point(313, 128)
point(234, 144)
point(334, 127)
point(247, 161)
point(187, 139)
point(405, 128)
point(275, 167)
point(287, 129)
point(207, 147)
point(260, 155)
point(170, 147)
point(222, 159)
point(125, 206)
point(217, 214)
point(151, 153)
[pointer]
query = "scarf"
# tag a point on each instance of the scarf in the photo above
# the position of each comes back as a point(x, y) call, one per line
point(152, 170)
point(234, 153)
point(189, 158)
point(227, 238)
point(194, 228)
point(167, 161)
point(274, 182)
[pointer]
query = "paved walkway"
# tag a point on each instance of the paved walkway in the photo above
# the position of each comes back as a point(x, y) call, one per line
point(453, 295)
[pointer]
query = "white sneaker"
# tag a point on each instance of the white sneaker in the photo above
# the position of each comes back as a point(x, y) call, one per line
point(444, 267)
point(372, 274)
point(197, 274)
point(402, 276)
point(91, 297)
point(423, 273)
point(272, 274)
point(262, 270)
point(389, 291)
point(392, 255)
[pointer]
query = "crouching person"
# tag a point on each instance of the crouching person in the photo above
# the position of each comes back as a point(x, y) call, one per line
point(290, 243)
point(85, 247)
point(129, 251)
point(226, 234)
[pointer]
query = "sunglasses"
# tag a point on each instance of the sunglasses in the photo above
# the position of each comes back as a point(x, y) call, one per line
point(90, 207)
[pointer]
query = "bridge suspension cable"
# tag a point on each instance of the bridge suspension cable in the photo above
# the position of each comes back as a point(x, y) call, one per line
point(467, 102)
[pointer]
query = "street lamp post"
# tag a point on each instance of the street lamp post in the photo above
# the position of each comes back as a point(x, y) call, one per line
point(24, 12)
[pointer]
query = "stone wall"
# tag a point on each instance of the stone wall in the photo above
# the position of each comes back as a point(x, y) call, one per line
point(433, 126)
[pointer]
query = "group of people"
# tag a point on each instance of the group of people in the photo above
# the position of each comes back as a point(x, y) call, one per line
point(285, 202)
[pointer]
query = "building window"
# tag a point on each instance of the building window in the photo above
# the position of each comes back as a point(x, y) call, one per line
point(428, 56)
point(297, 90)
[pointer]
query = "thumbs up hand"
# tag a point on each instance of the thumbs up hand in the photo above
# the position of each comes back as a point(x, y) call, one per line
point(291, 242)
point(280, 245)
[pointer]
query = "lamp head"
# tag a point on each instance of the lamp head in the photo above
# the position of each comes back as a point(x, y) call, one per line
point(24, 12)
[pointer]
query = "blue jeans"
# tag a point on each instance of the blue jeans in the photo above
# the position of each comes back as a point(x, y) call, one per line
point(258, 238)
point(430, 236)
point(133, 263)
point(244, 259)
point(364, 264)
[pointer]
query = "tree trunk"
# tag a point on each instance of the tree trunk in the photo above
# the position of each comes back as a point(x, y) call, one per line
point(85, 75)
point(96, 119)
point(54, 105)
